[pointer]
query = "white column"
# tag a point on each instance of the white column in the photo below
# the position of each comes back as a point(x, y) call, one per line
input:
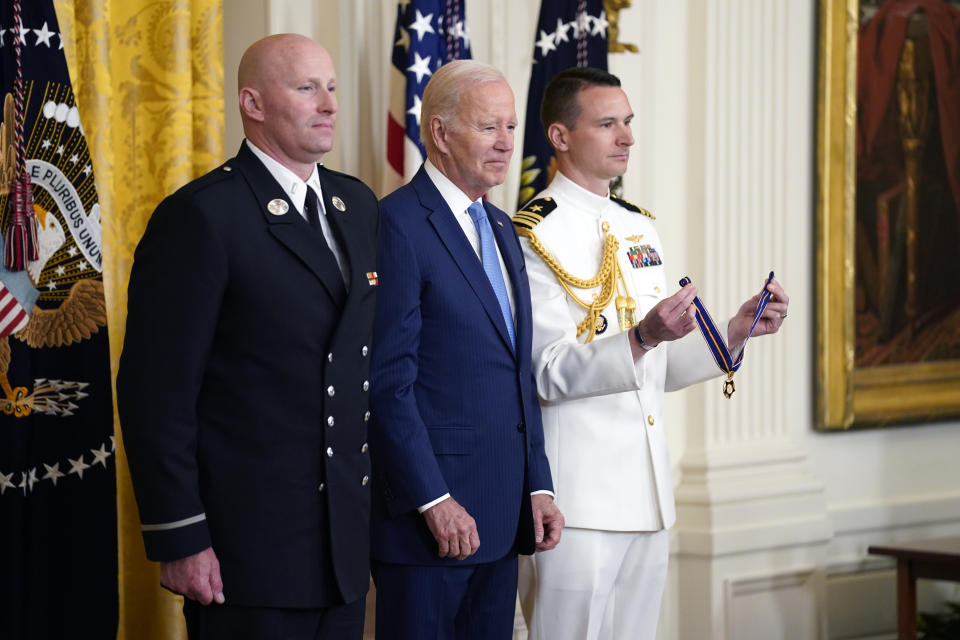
point(752, 520)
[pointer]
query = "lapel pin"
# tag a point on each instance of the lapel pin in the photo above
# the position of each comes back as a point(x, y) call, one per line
point(278, 207)
point(338, 203)
point(499, 223)
point(372, 278)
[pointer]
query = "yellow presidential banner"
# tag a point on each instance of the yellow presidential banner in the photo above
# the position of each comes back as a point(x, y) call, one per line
point(148, 77)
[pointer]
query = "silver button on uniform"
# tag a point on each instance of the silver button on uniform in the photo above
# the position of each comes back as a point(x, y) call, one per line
point(364, 351)
point(329, 357)
point(364, 448)
point(366, 385)
point(365, 480)
point(320, 488)
point(331, 391)
point(329, 421)
point(366, 417)
point(329, 452)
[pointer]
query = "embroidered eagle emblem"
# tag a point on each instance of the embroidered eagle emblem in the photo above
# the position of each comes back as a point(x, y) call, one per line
point(79, 317)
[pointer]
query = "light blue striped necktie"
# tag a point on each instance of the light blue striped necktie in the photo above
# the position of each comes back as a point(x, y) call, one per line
point(491, 265)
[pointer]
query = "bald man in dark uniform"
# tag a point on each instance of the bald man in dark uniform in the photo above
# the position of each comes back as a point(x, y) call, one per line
point(243, 381)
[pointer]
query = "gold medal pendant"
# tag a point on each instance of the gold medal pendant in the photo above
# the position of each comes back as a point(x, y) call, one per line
point(728, 386)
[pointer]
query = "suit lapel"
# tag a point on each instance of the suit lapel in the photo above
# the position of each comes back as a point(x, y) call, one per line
point(457, 245)
point(513, 261)
point(289, 227)
point(351, 236)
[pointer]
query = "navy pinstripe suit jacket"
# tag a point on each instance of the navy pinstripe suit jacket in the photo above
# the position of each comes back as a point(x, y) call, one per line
point(454, 405)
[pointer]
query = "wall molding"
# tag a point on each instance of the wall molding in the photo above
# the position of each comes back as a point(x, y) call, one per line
point(894, 513)
point(715, 543)
point(798, 577)
point(768, 581)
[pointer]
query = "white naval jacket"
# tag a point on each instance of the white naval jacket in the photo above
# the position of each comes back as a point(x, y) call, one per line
point(603, 413)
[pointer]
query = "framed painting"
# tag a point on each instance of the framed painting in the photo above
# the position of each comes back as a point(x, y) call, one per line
point(888, 212)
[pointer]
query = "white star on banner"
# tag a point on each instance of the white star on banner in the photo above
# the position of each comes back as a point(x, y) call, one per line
point(5, 482)
point(72, 250)
point(82, 265)
point(561, 33)
point(51, 285)
point(422, 25)
point(415, 109)
point(60, 149)
point(460, 32)
point(545, 43)
point(87, 169)
point(600, 24)
point(46, 144)
point(2, 31)
point(420, 66)
point(32, 479)
point(19, 30)
point(53, 473)
point(100, 456)
point(43, 35)
point(77, 466)
point(74, 159)
point(582, 23)
point(61, 271)
point(113, 444)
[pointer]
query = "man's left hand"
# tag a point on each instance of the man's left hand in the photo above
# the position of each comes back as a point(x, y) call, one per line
point(769, 321)
point(547, 521)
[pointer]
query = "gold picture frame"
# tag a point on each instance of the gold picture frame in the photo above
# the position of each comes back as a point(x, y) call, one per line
point(848, 396)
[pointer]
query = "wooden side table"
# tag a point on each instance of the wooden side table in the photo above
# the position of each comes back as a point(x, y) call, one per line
point(937, 559)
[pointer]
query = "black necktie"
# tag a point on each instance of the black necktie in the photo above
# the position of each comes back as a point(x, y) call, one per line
point(312, 212)
point(310, 208)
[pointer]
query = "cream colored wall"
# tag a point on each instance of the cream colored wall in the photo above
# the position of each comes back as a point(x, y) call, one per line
point(724, 95)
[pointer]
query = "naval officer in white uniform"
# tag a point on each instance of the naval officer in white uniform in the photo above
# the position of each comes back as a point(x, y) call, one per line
point(607, 342)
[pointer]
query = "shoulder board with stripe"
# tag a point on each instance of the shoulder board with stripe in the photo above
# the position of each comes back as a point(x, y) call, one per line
point(534, 213)
point(629, 206)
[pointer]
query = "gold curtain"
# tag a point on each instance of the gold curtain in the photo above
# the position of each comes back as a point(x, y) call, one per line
point(148, 76)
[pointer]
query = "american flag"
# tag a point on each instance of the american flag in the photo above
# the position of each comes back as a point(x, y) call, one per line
point(17, 297)
point(570, 33)
point(429, 33)
point(58, 485)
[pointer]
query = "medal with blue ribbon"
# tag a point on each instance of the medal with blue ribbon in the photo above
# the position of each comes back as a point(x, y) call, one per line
point(714, 339)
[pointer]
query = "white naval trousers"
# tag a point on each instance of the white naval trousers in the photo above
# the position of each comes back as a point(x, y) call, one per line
point(595, 585)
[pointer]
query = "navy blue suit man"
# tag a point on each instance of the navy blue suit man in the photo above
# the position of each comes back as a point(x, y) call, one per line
point(462, 483)
point(244, 379)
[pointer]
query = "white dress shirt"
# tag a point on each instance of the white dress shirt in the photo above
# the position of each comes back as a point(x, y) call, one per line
point(458, 202)
point(296, 190)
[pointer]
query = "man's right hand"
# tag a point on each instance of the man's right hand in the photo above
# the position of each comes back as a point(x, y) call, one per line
point(454, 529)
point(671, 318)
point(196, 577)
